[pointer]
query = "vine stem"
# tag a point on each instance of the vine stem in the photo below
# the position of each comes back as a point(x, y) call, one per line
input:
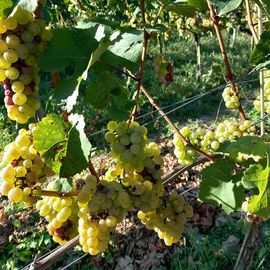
point(250, 245)
point(229, 75)
point(92, 169)
point(146, 38)
point(118, 69)
point(172, 125)
point(158, 15)
point(250, 23)
point(50, 193)
point(142, 10)
point(46, 262)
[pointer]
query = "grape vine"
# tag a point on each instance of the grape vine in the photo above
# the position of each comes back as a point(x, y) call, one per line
point(49, 166)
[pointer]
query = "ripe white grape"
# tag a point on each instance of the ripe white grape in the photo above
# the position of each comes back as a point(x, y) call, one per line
point(20, 44)
point(231, 99)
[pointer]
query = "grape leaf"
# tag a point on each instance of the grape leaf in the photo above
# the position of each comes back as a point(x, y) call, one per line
point(103, 84)
point(78, 148)
point(5, 7)
point(220, 187)
point(261, 53)
point(82, 51)
point(265, 6)
point(64, 88)
point(8, 6)
point(127, 50)
point(95, 55)
point(249, 145)
point(62, 185)
point(230, 6)
point(63, 145)
point(256, 176)
point(111, 96)
point(51, 131)
point(69, 47)
point(185, 7)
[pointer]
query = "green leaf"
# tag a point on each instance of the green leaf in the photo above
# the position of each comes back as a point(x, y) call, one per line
point(64, 88)
point(8, 6)
point(69, 47)
point(185, 7)
point(265, 5)
point(5, 7)
point(261, 54)
point(72, 99)
point(220, 187)
point(50, 132)
point(230, 6)
point(156, 28)
point(256, 176)
point(62, 185)
point(82, 51)
point(112, 96)
point(249, 145)
point(63, 145)
point(120, 105)
point(78, 148)
point(103, 84)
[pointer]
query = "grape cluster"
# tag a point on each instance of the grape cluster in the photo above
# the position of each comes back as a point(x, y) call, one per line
point(103, 205)
point(62, 215)
point(169, 219)
point(144, 191)
point(23, 168)
point(127, 144)
point(209, 140)
point(22, 39)
point(230, 97)
point(257, 102)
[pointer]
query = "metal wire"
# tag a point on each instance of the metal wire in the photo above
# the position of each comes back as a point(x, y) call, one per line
point(75, 261)
point(186, 102)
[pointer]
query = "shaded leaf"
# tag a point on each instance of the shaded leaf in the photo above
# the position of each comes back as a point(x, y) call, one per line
point(62, 185)
point(63, 145)
point(230, 6)
point(64, 88)
point(185, 7)
point(220, 187)
point(261, 54)
point(265, 5)
point(78, 148)
point(256, 176)
point(249, 145)
point(112, 96)
point(8, 6)
point(51, 131)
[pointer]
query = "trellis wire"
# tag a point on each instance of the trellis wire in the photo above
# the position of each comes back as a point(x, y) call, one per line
point(75, 261)
point(189, 101)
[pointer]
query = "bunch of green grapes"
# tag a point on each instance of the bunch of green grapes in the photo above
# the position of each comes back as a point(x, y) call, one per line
point(22, 38)
point(232, 130)
point(230, 97)
point(144, 186)
point(62, 215)
point(22, 168)
point(257, 102)
point(184, 155)
point(169, 219)
point(209, 140)
point(127, 144)
point(144, 191)
point(103, 205)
